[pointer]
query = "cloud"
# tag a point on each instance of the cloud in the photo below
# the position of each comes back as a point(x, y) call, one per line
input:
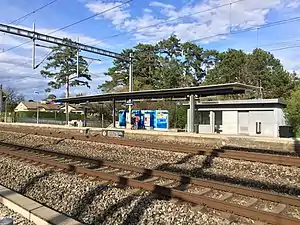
point(117, 15)
point(198, 19)
point(147, 10)
point(16, 71)
point(166, 9)
point(161, 5)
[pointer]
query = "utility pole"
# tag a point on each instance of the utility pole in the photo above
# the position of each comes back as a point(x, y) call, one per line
point(37, 109)
point(130, 85)
point(5, 113)
point(33, 47)
point(77, 59)
point(67, 96)
point(1, 100)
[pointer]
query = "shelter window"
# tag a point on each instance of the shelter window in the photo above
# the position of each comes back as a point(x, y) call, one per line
point(204, 117)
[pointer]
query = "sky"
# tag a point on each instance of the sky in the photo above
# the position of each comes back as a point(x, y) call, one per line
point(212, 24)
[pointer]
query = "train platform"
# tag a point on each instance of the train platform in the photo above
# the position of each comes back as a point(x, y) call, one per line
point(31, 210)
point(200, 139)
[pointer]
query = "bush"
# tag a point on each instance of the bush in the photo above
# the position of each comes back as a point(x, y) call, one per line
point(292, 110)
point(59, 116)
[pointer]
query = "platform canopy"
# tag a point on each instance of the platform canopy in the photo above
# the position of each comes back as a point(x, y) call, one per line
point(200, 91)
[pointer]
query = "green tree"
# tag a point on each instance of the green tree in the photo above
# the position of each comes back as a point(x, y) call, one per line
point(51, 96)
point(167, 64)
point(13, 98)
point(230, 66)
point(268, 71)
point(257, 68)
point(193, 64)
point(62, 63)
point(292, 110)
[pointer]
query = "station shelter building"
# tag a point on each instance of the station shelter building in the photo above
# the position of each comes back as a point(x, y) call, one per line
point(253, 117)
point(186, 93)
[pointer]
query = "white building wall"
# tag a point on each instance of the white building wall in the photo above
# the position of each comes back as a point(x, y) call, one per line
point(267, 120)
point(271, 118)
point(205, 129)
point(230, 122)
point(21, 107)
point(280, 120)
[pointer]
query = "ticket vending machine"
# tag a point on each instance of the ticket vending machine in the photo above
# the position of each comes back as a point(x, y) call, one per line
point(161, 120)
point(122, 118)
point(148, 119)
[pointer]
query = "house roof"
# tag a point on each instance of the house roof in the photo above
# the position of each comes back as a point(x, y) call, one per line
point(33, 106)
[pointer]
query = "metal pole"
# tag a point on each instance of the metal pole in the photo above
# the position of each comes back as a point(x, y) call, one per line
point(114, 113)
point(78, 60)
point(102, 116)
point(130, 85)
point(37, 112)
point(1, 99)
point(37, 109)
point(84, 116)
point(67, 104)
point(33, 47)
point(5, 116)
point(192, 114)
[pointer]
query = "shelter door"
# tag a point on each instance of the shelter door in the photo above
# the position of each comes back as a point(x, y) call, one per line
point(243, 122)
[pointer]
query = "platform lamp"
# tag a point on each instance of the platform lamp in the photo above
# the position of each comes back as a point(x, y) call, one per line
point(37, 108)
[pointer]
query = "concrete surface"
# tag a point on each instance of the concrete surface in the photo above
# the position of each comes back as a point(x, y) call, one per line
point(32, 210)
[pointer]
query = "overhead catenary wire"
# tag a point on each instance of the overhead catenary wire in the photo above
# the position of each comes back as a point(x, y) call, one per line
point(283, 48)
point(167, 21)
point(278, 43)
point(253, 28)
point(34, 11)
point(43, 59)
point(92, 16)
point(72, 24)
point(231, 32)
point(24, 17)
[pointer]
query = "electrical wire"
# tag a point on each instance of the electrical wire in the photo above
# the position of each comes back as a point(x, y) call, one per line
point(283, 48)
point(278, 43)
point(90, 17)
point(34, 11)
point(279, 22)
point(166, 22)
point(72, 24)
point(22, 18)
point(43, 59)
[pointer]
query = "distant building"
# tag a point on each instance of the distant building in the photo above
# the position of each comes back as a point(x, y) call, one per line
point(73, 108)
point(253, 117)
point(43, 107)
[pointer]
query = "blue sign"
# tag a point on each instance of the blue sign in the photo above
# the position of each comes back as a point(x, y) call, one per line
point(161, 120)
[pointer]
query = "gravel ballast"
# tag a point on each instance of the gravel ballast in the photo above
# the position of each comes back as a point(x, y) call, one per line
point(93, 202)
point(282, 179)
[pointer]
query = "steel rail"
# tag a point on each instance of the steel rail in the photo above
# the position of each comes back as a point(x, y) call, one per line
point(188, 149)
point(166, 191)
point(288, 200)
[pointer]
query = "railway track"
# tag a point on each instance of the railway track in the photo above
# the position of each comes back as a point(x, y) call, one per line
point(224, 153)
point(165, 183)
